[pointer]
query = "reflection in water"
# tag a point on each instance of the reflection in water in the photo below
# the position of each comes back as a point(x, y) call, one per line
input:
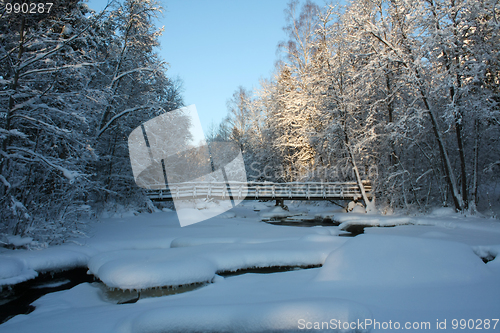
point(266, 270)
point(303, 222)
point(119, 296)
point(352, 231)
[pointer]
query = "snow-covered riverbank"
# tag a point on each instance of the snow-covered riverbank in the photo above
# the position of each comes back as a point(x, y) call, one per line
point(425, 271)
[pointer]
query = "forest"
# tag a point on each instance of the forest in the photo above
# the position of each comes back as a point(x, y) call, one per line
point(406, 92)
point(73, 84)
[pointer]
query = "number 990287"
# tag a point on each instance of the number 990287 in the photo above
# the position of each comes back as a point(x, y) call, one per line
point(27, 7)
point(478, 324)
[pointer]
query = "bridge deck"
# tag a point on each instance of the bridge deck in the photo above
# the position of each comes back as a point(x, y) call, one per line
point(262, 191)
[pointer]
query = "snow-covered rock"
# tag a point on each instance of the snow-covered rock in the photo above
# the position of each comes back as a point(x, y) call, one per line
point(142, 269)
point(369, 260)
point(14, 271)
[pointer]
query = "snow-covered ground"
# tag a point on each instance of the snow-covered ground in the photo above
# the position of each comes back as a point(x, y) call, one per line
point(425, 273)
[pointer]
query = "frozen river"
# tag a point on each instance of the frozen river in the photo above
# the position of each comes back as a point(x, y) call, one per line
point(422, 271)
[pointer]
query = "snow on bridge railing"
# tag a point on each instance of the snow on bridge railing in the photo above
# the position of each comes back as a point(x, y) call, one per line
point(262, 191)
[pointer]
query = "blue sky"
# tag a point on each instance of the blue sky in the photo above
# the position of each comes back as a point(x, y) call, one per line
point(214, 46)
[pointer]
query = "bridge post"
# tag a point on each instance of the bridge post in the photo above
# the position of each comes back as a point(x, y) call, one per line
point(280, 202)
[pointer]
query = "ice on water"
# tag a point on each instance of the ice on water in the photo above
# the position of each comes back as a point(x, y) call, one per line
point(425, 269)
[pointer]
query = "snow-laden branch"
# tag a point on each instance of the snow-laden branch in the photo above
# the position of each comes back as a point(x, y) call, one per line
point(119, 115)
point(54, 69)
point(5, 182)
point(70, 175)
point(59, 46)
point(33, 106)
point(141, 69)
point(22, 105)
point(49, 108)
point(55, 128)
point(4, 133)
point(422, 175)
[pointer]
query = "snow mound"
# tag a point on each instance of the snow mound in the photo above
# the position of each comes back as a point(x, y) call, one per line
point(84, 295)
point(443, 211)
point(288, 316)
point(142, 269)
point(195, 241)
point(358, 209)
point(10, 267)
point(374, 260)
point(275, 212)
point(351, 219)
point(491, 253)
point(23, 265)
point(18, 241)
point(57, 258)
point(14, 271)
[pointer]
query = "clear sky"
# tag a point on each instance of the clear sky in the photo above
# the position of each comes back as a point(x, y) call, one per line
point(214, 46)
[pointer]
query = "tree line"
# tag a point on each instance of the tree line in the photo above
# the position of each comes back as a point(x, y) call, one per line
point(73, 84)
point(404, 92)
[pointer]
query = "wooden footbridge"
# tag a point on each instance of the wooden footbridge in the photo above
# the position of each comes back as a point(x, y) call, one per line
point(263, 191)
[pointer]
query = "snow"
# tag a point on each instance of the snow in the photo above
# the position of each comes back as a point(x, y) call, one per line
point(67, 30)
point(275, 212)
point(18, 241)
point(5, 182)
point(443, 211)
point(55, 258)
point(353, 218)
point(142, 269)
point(74, 308)
point(358, 209)
point(425, 268)
point(14, 271)
point(494, 264)
point(156, 237)
point(21, 265)
point(373, 260)
point(265, 316)
point(491, 253)
point(444, 218)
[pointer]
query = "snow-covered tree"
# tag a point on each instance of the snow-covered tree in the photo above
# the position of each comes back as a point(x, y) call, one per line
point(46, 62)
point(135, 90)
point(403, 92)
point(73, 84)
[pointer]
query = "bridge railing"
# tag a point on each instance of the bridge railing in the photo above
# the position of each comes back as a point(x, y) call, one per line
point(263, 190)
